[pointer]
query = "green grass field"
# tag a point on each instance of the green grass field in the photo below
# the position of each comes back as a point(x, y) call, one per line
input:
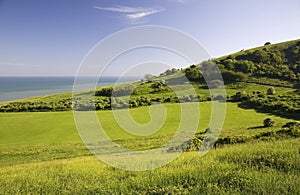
point(59, 127)
point(43, 153)
point(256, 168)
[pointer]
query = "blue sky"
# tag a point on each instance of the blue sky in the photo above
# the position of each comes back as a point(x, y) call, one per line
point(51, 38)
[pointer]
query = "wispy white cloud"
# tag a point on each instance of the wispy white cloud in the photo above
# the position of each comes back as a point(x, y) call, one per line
point(121, 9)
point(134, 14)
point(142, 14)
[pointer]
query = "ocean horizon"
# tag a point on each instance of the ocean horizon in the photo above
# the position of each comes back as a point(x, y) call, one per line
point(15, 88)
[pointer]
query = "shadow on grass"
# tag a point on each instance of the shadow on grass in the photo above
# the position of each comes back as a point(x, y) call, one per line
point(256, 127)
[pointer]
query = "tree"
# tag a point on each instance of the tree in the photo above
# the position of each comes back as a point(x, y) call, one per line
point(267, 43)
point(193, 74)
point(245, 66)
point(229, 64)
point(231, 76)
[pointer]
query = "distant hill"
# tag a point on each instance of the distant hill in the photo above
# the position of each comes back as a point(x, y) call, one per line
point(280, 62)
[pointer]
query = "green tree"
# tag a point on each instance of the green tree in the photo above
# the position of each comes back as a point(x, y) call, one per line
point(193, 74)
point(245, 66)
point(231, 76)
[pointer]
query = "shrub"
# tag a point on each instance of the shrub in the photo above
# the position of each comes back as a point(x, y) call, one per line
point(231, 76)
point(291, 124)
point(240, 96)
point(104, 92)
point(268, 122)
point(271, 91)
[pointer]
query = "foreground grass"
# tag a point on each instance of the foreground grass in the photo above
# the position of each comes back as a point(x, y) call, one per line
point(263, 167)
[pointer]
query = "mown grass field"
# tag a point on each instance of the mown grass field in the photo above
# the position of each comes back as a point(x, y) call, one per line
point(43, 153)
point(59, 127)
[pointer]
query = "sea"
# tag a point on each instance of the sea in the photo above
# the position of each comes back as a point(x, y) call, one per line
point(14, 88)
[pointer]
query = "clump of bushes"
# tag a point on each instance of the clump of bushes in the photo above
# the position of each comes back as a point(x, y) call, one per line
point(291, 124)
point(207, 141)
point(268, 122)
point(240, 96)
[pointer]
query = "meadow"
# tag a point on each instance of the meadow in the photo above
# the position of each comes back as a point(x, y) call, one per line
point(41, 152)
point(255, 168)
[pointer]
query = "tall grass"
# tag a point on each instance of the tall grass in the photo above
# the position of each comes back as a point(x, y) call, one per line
point(260, 168)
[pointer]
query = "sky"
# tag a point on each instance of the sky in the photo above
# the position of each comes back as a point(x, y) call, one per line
point(52, 38)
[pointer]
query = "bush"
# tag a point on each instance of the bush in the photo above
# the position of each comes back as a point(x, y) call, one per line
point(231, 76)
point(240, 96)
point(271, 91)
point(104, 92)
point(268, 122)
point(291, 124)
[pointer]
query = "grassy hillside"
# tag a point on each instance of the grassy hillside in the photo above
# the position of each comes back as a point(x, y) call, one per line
point(278, 61)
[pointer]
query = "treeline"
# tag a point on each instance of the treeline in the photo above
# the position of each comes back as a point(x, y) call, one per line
point(145, 87)
point(61, 105)
point(97, 103)
point(110, 103)
point(287, 105)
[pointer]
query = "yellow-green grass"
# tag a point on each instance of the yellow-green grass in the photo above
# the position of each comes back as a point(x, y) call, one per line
point(254, 168)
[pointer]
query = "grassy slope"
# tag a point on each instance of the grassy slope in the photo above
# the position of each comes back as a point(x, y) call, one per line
point(256, 168)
